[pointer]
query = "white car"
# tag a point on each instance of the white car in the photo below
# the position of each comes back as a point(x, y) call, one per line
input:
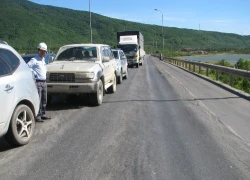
point(19, 99)
point(122, 64)
point(82, 69)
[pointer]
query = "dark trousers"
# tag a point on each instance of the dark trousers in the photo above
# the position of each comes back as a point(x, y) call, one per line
point(42, 91)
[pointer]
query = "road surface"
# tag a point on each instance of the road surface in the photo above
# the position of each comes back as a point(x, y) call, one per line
point(162, 123)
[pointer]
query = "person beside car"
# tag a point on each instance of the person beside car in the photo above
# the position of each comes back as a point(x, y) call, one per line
point(38, 66)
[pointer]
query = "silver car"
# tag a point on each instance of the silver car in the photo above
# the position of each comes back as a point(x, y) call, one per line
point(19, 99)
point(122, 65)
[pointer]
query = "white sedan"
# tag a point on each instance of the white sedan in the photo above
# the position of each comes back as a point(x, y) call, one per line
point(122, 64)
point(19, 99)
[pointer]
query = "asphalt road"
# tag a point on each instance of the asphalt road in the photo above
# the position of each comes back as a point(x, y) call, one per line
point(162, 123)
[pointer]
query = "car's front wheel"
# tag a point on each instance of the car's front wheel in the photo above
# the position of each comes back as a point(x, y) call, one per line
point(96, 98)
point(21, 126)
point(112, 88)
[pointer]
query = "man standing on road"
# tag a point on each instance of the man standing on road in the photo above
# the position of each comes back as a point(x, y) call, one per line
point(38, 66)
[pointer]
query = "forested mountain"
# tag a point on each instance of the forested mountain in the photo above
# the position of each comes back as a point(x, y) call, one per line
point(23, 24)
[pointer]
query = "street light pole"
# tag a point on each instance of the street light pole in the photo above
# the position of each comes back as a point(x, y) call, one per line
point(161, 29)
point(90, 23)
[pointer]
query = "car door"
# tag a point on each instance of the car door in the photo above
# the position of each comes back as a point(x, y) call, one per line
point(7, 91)
point(107, 66)
point(112, 61)
point(123, 61)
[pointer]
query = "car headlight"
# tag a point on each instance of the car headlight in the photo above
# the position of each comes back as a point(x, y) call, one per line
point(85, 75)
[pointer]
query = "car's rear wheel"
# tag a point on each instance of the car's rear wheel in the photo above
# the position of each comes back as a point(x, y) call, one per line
point(21, 126)
point(126, 76)
point(119, 78)
point(97, 98)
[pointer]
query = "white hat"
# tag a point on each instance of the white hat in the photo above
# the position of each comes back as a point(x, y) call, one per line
point(42, 46)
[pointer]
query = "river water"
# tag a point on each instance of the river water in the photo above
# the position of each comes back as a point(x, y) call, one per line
point(231, 58)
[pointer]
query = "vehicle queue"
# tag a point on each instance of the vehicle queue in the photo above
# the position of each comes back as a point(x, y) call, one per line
point(20, 101)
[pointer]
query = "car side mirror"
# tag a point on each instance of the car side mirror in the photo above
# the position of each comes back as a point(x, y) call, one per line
point(105, 59)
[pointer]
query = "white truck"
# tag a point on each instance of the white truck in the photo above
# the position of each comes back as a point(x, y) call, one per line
point(132, 44)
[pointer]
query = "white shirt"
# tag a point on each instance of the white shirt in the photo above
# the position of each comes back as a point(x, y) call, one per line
point(38, 66)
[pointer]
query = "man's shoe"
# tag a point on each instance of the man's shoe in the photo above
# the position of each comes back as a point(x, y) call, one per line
point(45, 117)
point(38, 119)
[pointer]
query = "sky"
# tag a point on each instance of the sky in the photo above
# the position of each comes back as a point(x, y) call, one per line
point(228, 16)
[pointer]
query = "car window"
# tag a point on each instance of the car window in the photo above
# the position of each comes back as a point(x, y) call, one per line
point(122, 55)
point(11, 60)
point(78, 53)
point(26, 59)
point(4, 68)
point(116, 54)
point(107, 52)
point(111, 55)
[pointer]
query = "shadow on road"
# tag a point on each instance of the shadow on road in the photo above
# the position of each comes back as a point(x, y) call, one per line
point(4, 145)
point(58, 103)
point(173, 100)
point(64, 102)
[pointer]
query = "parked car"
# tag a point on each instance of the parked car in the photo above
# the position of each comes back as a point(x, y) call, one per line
point(122, 64)
point(82, 69)
point(48, 58)
point(19, 97)
point(118, 67)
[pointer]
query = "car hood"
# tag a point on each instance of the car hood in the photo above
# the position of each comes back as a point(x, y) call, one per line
point(64, 66)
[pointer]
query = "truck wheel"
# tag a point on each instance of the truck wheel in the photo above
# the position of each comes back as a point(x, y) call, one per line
point(126, 76)
point(137, 65)
point(112, 88)
point(96, 98)
point(21, 126)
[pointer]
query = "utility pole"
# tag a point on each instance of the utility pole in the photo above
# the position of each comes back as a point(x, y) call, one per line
point(161, 29)
point(90, 25)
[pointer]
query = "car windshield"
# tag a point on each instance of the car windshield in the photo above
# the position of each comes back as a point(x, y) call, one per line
point(49, 57)
point(128, 48)
point(78, 53)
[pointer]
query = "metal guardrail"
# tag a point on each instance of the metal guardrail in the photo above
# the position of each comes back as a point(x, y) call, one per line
point(192, 65)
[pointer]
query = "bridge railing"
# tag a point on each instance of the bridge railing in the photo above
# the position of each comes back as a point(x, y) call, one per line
point(197, 67)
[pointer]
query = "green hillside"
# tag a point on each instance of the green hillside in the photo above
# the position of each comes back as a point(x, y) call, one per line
point(24, 24)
